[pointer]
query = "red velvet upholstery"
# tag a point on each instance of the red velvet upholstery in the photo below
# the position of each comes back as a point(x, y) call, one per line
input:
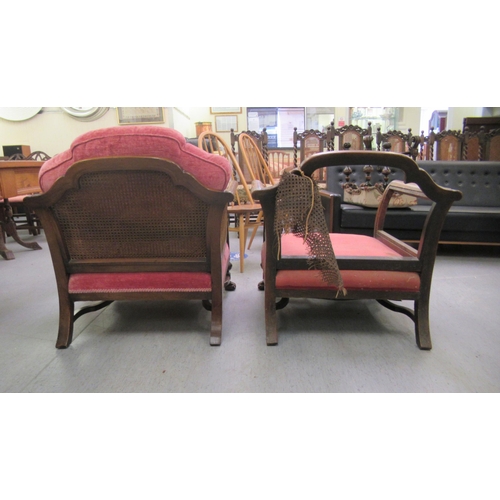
point(345, 245)
point(139, 140)
point(143, 282)
point(380, 281)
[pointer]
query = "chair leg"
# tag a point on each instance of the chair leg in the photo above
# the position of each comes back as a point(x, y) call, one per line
point(254, 232)
point(66, 321)
point(242, 232)
point(229, 285)
point(271, 317)
point(216, 323)
point(422, 324)
point(420, 316)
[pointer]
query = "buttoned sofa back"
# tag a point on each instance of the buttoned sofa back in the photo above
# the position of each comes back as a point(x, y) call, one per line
point(473, 219)
point(478, 181)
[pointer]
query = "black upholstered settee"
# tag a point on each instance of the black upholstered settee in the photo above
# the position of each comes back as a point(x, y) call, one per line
point(473, 219)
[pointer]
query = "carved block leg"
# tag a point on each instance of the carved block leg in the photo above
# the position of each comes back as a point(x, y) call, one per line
point(422, 325)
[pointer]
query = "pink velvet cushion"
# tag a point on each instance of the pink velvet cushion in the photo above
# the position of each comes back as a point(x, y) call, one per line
point(347, 245)
point(379, 281)
point(145, 282)
point(213, 171)
point(139, 282)
point(343, 245)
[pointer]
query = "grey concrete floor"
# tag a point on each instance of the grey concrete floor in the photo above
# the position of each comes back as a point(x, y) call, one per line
point(324, 346)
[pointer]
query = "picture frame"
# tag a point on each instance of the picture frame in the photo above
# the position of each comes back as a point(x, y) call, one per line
point(225, 111)
point(224, 123)
point(138, 116)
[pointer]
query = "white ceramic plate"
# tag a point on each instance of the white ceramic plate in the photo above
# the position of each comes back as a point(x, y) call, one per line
point(18, 114)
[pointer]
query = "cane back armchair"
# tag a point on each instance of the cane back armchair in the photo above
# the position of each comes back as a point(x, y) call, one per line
point(136, 214)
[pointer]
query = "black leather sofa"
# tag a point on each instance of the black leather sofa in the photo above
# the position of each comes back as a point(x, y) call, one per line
point(473, 219)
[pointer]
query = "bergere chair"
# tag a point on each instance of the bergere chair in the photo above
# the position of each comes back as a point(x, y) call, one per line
point(315, 264)
point(136, 213)
point(247, 212)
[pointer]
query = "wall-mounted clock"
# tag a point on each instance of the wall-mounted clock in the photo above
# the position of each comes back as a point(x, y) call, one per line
point(85, 114)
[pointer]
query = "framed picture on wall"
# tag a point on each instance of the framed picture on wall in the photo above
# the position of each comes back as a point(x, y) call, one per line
point(129, 116)
point(225, 123)
point(227, 111)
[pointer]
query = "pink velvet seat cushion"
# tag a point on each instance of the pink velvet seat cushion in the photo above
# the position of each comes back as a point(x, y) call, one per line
point(145, 282)
point(346, 245)
point(139, 282)
point(213, 171)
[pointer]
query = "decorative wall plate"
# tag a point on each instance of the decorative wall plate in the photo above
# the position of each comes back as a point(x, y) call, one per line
point(18, 114)
point(85, 114)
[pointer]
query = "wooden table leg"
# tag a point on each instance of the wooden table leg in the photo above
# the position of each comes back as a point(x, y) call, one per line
point(9, 227)
point(4, 251)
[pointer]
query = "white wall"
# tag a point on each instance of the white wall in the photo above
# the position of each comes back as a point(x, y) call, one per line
point(53, 130)
point(456, 117)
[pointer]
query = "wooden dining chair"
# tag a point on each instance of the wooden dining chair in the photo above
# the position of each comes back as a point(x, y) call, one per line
point(398, 140)
point(301, 259)
point(308, 143)
point(256, 166)
point(279, 161)
point(352, 135)
point(492, 145)
point(246, 211)
point(448, 145)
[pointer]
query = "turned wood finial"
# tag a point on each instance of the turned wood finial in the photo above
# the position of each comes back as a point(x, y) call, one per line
point(386, 171)
point(378, 138)
point(347, 173)
point(368, 169)
point(432, 137)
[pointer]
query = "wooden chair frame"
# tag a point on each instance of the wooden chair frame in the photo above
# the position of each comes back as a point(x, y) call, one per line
point(323, 140)
point(64, 234)
point(279, 161)
point(420, 260)
point(256, 165)
point(243, 212)
point(448, 145)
